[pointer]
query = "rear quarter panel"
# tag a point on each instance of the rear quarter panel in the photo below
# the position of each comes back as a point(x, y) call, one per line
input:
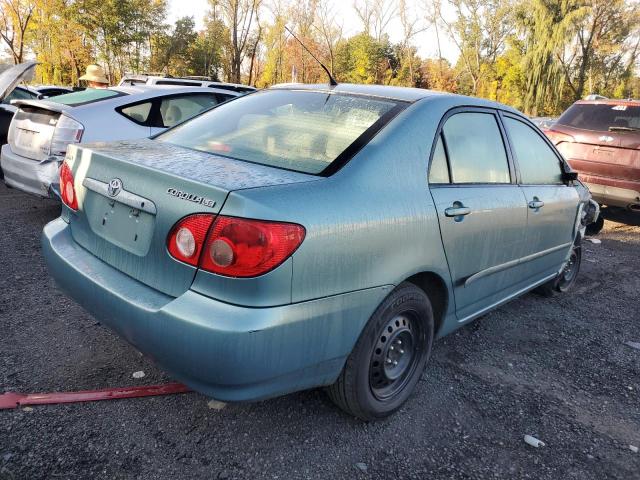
point(373, 223)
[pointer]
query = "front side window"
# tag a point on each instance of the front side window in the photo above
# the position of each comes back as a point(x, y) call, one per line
point(174, 110)
point(538, 164)
point(305, 131)
point(476, 149)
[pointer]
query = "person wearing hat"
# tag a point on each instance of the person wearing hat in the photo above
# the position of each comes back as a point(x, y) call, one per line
point(95, 77)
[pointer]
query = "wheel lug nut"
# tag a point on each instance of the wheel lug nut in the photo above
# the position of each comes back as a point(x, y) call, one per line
point(399, 342)
point(401, 351)
point(395, 362)
point(391, 347)
point(388, 360)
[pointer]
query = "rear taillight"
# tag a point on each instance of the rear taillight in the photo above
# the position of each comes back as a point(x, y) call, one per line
point(11, 134)
point(67, 131)
point(234, 247)
point(187, 237)
point(557, 137)
point(238, 247)
point(67, 187)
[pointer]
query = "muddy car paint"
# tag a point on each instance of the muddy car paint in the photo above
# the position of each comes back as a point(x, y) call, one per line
point(369, 226)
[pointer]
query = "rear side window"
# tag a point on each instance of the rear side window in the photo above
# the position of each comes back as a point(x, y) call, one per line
point(138, 113)
point(439, 172)
point(476, 149)
point(174, 110)
point(538, 164)
point(601, 117)
point(305, 131)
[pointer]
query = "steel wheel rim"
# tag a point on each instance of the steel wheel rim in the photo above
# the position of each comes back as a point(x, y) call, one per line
point(395, 355)
point(570, 270)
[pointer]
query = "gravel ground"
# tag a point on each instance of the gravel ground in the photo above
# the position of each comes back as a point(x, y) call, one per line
point(555, 368)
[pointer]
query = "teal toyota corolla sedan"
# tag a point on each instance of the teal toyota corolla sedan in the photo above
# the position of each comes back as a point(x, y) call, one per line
point(313, 235)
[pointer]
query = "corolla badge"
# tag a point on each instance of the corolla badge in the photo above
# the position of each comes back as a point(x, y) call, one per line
point(114, 187)
point(191, 197)
point(606, 138)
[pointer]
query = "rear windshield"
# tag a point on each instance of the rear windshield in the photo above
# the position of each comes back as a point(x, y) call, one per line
point(303, 131)
point(602, 117)
point(88, 95)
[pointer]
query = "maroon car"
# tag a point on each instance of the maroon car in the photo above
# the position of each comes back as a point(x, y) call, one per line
point(601, 140)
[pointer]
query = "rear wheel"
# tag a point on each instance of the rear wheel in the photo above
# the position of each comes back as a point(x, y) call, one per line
point(388, 358)
point(566, 278)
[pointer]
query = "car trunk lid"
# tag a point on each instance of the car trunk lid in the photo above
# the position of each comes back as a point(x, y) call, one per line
point(31, 131)
point(12, 76)
point(131, 193)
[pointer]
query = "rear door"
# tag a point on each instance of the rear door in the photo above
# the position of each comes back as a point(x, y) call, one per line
point(481, 210)
point(552, 206)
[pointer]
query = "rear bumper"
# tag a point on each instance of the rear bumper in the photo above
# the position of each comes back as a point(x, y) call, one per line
point(29, 175)
point(229, 352)
point(612, 195)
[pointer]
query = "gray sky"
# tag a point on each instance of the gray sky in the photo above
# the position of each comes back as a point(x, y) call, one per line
point(425, 41)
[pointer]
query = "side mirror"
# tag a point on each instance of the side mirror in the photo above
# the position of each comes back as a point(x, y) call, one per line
point(569, 176)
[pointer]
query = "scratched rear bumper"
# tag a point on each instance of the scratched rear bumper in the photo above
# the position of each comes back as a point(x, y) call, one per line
point(28, 175)
point(229, 352)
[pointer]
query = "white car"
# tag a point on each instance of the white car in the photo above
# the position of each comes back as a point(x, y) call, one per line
point(41, 130)
point(132, 80)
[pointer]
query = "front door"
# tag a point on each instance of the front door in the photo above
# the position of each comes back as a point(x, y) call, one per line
point(552, 206)
point(481, 210)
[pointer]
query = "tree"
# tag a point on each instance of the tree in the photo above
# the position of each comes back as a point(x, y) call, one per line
point(239, 17)
point(15, 19)
point(605, 43)
point(545, 26)
point(375, 16)
point(174, 50)
point(330, 30)
point(479, 31)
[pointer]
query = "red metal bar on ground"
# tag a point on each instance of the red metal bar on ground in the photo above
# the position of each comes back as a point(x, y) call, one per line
point(15, 400)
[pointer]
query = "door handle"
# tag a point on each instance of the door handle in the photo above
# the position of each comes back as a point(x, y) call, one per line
point(536, 204)
point(457, 211)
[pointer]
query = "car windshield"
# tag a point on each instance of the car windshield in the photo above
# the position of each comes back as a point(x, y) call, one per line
point(89, 95)
point(305, 131)
point(602, 117)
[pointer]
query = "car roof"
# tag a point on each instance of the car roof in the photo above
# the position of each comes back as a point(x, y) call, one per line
point(610, 101)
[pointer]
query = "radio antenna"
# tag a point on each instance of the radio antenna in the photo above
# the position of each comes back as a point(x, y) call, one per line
point(332, 81)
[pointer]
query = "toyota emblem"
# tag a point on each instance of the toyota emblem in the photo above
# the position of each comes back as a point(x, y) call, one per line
point(114, 187)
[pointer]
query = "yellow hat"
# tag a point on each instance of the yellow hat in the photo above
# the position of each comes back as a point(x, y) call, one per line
point(94, 73)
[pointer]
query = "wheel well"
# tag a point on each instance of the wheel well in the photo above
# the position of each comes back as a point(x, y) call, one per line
point(435, 288)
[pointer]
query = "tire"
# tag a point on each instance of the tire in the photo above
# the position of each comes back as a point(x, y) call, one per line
point(388, 358)
point(565, 279)
point(594, 227)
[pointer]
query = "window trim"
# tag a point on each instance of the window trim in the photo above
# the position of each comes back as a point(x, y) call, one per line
point(564, 167)
point(505, 143)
